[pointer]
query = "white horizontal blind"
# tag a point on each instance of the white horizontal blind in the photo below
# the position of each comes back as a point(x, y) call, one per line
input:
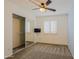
point(53, 26)
point(27, 26)
point(46, 26)
point(50, 26)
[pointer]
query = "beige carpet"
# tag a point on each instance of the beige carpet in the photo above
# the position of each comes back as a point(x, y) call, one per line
point(44, 51)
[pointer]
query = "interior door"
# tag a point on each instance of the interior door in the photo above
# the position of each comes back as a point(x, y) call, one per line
point(22, 31)
point(18, 31)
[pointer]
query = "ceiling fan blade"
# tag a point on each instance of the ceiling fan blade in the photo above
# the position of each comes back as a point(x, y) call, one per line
point(35, 3)
point(35, 8)
point(48, 2)
point(51, 9)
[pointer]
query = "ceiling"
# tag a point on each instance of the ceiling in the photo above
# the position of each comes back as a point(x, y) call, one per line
point(61, 6)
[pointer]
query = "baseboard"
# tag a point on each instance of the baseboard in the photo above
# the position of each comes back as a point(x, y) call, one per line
point(52, 44)
point(18, 50)
point(24, 48)
point(8, 56)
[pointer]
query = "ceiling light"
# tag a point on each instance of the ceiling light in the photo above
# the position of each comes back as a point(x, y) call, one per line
point(42, 9)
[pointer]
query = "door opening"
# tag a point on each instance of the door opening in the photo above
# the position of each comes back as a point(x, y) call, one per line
point(18, 33)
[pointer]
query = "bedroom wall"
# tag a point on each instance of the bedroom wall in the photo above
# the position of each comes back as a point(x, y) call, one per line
point(71, 28)
point(11, 8)
point(58, 38)
point(7, 30)
point(30, 35)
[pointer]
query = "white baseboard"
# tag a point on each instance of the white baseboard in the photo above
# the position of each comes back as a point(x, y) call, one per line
point(10, 55)
point(18, 50)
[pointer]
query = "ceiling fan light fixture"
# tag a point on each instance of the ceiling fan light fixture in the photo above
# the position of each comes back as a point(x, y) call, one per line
point(42, 9)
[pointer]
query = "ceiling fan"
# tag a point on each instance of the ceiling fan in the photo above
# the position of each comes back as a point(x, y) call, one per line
point(43, 6)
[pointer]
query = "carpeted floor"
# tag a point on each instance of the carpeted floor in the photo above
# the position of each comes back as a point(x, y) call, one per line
point(43, 51)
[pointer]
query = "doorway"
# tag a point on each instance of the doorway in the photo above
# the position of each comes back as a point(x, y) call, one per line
point(18, 33)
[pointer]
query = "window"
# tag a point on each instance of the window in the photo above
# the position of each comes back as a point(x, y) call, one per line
point(50, 26)
point(46, 26)
point(53, 26)
point(27, 26)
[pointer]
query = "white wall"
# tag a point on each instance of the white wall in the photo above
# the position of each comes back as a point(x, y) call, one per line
point(71, 28)
point(8, 30)
point(52, 38)
point(58, 38)
point(9, 9)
